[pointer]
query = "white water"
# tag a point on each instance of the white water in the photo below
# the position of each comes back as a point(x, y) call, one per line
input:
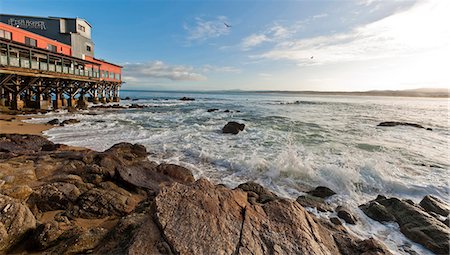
point(288, 147)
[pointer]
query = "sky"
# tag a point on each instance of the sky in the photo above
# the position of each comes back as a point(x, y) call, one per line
point(338, 45)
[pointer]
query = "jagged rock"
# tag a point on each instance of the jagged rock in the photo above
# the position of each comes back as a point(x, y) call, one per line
point(203, 219)
point(335, 221)
point(414, 223)
point(16, 221)
point(434, 204)
point(233, 128)
point(19, 192)
point(397, 123)
point(258, 192)
point(53, 122)
point(47, 234)
point(322, 192)
point(346, 215)
point(69, 122)
point(54, 196)
point(128, 151)
point(78, 241)
point(349, 246)
point(314, 202)
point(99, 203)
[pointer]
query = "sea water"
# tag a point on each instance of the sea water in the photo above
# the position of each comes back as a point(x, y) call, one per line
point(291, 143)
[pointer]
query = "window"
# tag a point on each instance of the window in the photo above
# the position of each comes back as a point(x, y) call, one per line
point(30, 41)
point(88, 48)
point(51, 47)
point(5, 34)
point(111, 75)
point(81, 28)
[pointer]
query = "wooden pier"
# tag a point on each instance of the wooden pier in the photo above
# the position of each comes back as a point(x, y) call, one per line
point(36, 78)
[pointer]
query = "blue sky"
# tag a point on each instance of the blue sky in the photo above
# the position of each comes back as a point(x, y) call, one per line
point(271, 45)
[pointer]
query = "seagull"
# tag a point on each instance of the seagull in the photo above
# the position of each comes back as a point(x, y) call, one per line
point(228, 26)
point(312, 57)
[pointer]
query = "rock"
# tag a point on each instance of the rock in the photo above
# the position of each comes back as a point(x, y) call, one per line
point(322, 192)
point(434, 204)
point(127, 98)
point(128, 151)
point(53, 122)
point(314, 202)
point(212, 110)
point(345, 215)
point(78, 241)
point(71, 109)
point(233, 128)
point(16, 221)
point(396, 123)
point(257, 191)
point(47, 234)
point(54, 196)
point(52, 147)
point(377, 212)
point(187, 99)
point(336, 221)
point(69, 122)
point(99, 203)
point(136, 106)
point(414, 223)
point(176, 173)
point(348, 246)
point(201, 218)
point(19, 192)
point(21, 144)
point(227, 110)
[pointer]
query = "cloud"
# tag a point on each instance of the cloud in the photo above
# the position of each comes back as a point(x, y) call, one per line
point(206, 29)
point(220, 69)
point(159, 70)
point(253, 40)
point(414, 31)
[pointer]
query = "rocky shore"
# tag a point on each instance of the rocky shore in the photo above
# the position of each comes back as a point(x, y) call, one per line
point(56, 199)
point(59, 200)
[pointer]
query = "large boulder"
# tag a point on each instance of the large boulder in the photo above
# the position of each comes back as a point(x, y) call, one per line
point(257, 192)
point(416, 224)
point(16, 221)
point(314, 202)
point(22, 144)
point(201, 218)
point(233, 127)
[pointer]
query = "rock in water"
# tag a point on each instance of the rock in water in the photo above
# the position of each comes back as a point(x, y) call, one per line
point(434, 204)
point(16, 221)
point(397, 123)
point(322, 192)
point(345, 215)
point(414, 223)
point(187, 99)
point(53, 122)
point(233, 128)
point(69, 121)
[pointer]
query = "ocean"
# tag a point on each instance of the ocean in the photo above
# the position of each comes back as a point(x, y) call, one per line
point(291, 143)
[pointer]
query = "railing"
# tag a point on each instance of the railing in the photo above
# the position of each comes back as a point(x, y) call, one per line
point(7, 59)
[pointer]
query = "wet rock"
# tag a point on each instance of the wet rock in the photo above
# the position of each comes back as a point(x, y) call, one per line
point(349, 246)
point(53, 122)
point(377, 212)
point(127, 98)
point(78, 241)
point(137, 106)
point(336, 221)
point(261, 194)
point(322, 192)
point(69, 122)
point(344, 214)
point(201, 218)
point(227, 110)
point(233, 128)
point(54, 196)
point(396, 123)
point(99, 203)
point(314, 202)
point(16, 221)
point(21, 144)
point(414, 223)
point(187, 99)
point(212, 110)
point(128, 151)
point(434, 204)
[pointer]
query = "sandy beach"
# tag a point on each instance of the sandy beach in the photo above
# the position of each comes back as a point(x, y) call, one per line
point(13, 124)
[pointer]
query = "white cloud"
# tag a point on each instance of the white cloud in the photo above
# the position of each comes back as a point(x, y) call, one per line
point(253, 40)
point(418, 29)
point(159, 70)
point(206, 29)
point(220, 69)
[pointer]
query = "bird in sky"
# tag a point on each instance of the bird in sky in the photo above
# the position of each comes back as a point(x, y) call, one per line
point(228, 26)
point(312, 57)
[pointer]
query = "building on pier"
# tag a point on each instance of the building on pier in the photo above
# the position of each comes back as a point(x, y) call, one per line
point(49, 63)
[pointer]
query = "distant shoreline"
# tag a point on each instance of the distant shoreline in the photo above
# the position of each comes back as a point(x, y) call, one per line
point(437, 93)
